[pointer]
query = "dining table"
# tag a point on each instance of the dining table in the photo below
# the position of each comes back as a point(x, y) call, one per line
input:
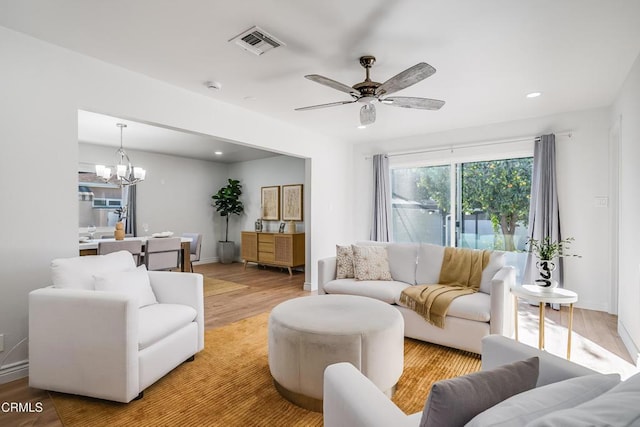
point(90, 247)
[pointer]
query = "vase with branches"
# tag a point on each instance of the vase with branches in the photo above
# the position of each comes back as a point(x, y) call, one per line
point(546, 250)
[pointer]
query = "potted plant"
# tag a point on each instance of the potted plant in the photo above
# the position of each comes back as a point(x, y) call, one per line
point(546, 250)
point(227, 202)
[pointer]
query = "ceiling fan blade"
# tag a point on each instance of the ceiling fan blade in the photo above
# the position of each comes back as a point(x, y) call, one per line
point(409, 102)
point(408, 77)
point(332, 84)
point(331, 104)
point(367, 114)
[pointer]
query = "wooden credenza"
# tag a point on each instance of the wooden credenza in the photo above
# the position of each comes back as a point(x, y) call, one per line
point(274, 249)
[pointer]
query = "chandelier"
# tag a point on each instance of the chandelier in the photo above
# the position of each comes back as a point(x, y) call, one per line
point(126, 174)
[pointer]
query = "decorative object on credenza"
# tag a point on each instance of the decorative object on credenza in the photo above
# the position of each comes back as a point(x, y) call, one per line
point(281, 229)
point(119, 232)
point(258, 224)
point(227, 202)
point(547, 250)
point(126, 173)
point(270, 203)
point(292, 202)
point(291, 227)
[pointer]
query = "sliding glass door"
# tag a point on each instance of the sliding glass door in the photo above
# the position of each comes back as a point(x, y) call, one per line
point(480, 205)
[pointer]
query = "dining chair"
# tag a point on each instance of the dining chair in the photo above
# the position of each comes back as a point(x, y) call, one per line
point(196, 244)
point(133, 246)
point(162, 253)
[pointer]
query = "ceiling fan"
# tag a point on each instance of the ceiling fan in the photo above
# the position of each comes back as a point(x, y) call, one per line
point(368, 91)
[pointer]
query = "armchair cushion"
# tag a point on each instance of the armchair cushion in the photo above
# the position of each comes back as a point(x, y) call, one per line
point(161, 320)
point(79, 272)
point(132, 283)
point(456, 401)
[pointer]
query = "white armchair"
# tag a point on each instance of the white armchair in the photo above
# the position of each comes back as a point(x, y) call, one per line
point(109, 344)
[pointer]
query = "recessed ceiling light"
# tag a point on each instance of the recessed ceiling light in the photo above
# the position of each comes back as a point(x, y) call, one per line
point(534, 94)
point(362, 127)
point(218, 153)
point(249, 98)
point(213, 85)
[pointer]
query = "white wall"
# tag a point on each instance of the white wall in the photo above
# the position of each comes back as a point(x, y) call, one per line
point(626, 111)
point(176, 196)
point(582, 175)
point(274, 171)
point(43, 87)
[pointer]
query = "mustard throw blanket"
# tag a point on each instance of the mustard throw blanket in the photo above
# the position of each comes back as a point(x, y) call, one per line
point(460, 274)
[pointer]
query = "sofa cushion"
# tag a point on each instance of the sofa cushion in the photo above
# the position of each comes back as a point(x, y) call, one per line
point(161, 320)
point(386, 291)
point(79, 272)
point(476, 307)
point(456, 401)
point(518, 410)
point(496, 262)
point(134, 283)
point(429, 263)
point(370, 263)
point(402, 262)
point(344, 262)
point(616, 407)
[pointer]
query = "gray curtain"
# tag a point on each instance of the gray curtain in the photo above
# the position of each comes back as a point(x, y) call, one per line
point(130, 223)
point(544, 214)
point(381, 199)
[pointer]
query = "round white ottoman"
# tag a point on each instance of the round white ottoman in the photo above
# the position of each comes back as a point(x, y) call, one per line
point(308, 334)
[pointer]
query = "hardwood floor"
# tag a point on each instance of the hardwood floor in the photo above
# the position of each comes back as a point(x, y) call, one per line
point(595, 336)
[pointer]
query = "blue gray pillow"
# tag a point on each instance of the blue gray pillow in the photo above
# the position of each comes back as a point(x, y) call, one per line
point(454, 402)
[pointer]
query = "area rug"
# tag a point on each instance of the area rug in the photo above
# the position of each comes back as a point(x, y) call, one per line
point(229, 384)
point(218, 286)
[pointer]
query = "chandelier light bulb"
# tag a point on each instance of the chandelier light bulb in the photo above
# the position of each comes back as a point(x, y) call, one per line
point(126, 174)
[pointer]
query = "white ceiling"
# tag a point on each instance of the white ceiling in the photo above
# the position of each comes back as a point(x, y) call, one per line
point(100, 129)
point(488, 54)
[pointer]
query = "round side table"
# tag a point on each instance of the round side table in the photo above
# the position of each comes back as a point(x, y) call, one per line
point(534, 293)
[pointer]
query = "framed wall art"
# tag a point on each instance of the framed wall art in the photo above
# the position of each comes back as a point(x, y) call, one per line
point(292, 202)
point(270, 203)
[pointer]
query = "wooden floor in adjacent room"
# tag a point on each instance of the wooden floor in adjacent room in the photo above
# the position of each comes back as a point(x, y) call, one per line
point(596, 342)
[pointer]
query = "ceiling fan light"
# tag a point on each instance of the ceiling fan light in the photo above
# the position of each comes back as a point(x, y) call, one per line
point(367, 114)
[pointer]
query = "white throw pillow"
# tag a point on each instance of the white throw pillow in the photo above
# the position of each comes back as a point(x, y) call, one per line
point(78, 272)
point(497, 260)
point(344, 262)
point(370, 263)
point(522, 408)
point(133, 283)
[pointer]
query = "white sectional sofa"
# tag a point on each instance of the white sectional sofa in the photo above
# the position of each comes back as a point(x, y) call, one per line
point(470, 317)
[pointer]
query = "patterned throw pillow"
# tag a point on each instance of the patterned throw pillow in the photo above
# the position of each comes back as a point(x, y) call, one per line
point(370, 263)
point(344, 258)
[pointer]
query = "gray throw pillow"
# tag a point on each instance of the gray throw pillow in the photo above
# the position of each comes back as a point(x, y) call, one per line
point(456, 401)
point(518, 410)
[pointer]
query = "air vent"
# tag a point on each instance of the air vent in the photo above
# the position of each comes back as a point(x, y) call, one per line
point(256, 41)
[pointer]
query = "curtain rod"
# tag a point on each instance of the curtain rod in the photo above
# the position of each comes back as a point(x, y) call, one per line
point(568, 134)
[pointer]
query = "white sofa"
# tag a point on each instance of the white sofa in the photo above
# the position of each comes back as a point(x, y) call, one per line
point(114, 343)
point(470, 317)
point(350, 399)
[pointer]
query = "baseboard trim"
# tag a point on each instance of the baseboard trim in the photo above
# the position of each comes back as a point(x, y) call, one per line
point(207, 260)
point(14, 371)
point(633, 350)
point(308, 286)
